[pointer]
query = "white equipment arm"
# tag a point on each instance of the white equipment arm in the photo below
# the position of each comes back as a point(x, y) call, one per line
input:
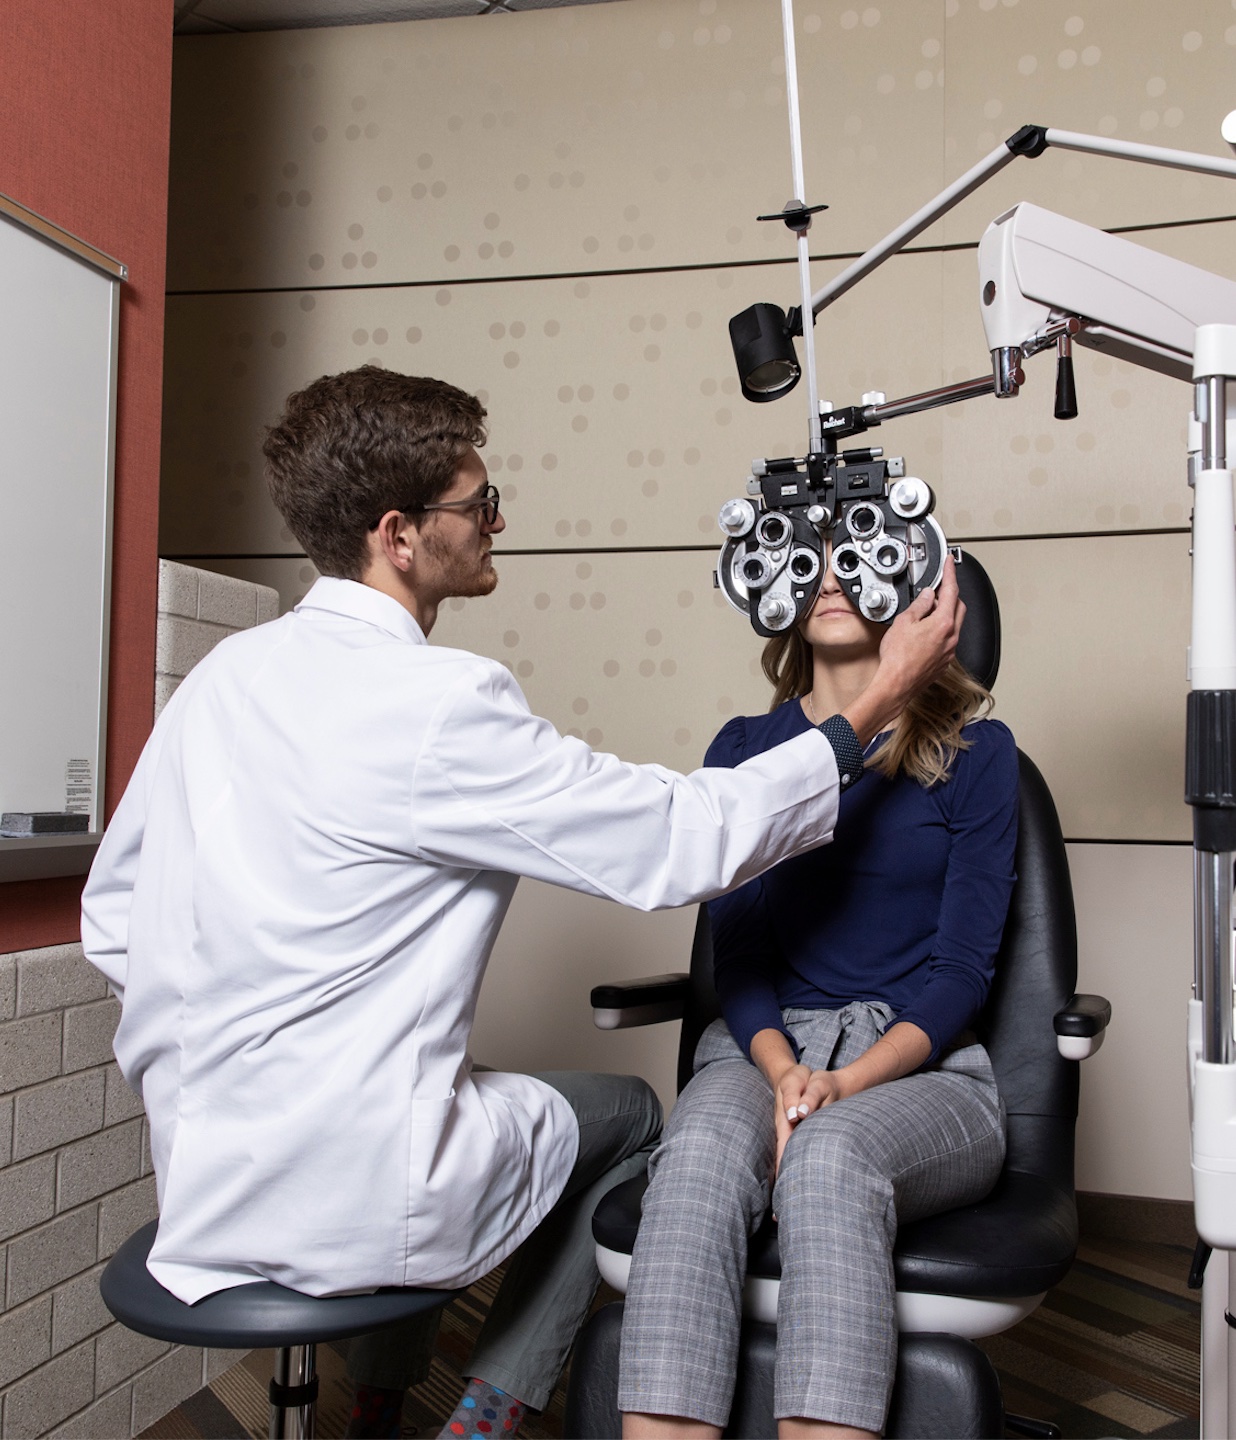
point(1037, 268)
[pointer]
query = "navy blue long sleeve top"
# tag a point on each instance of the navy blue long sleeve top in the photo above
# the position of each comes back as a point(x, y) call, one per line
point(906, 905)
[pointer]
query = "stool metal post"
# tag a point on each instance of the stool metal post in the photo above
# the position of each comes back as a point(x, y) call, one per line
point(294, 1393)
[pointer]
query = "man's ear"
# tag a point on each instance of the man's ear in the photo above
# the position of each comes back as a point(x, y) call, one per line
point(395, 539)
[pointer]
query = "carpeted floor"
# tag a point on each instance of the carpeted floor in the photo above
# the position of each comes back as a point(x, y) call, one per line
point(1113, 1351)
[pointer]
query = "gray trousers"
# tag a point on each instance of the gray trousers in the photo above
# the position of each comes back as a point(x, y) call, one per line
point(550, 1281)
point(851, 1171)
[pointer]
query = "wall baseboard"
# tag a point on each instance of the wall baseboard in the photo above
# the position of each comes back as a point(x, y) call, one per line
point(1136, 1217)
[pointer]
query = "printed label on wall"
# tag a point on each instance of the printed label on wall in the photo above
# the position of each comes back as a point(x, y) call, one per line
point(78, 787)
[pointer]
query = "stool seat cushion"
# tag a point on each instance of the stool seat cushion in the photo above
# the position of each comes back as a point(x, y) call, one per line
point(247, 1316)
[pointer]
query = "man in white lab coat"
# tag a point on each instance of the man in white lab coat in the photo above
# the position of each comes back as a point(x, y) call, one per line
point(298, 894)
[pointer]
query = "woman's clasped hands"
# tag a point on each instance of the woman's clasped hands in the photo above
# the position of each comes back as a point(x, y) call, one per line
point(799, 1090)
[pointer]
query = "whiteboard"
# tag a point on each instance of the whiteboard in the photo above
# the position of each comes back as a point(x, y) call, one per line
point(59, 327)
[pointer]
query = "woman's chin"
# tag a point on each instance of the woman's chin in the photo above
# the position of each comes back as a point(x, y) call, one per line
point(848, 639)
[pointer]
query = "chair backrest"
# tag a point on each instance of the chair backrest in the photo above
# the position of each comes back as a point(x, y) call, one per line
point(1036, 970)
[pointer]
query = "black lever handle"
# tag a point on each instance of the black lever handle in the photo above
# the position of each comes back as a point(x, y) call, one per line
point(1197, 1271)
point(1066, 390)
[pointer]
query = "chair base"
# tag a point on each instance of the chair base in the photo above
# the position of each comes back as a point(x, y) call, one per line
point(946, 1388)
point(1036, 1429)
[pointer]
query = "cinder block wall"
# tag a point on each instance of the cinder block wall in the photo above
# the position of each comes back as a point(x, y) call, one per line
point(75, 1172)
point(197, 608)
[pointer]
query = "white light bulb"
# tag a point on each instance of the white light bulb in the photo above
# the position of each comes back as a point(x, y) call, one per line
point(1228, 128)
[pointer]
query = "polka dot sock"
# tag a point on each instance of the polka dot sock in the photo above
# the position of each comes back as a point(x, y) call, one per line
point(376, 1413)
point(484, 1413)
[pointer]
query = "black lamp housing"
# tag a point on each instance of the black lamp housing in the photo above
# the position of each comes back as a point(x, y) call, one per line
point(763, 341)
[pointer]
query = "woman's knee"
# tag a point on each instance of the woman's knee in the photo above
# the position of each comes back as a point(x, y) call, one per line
point(715, 1148)
point(831, 1156)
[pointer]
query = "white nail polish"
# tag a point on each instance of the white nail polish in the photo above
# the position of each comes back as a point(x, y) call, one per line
point(791, 1115)
point(802, 1110)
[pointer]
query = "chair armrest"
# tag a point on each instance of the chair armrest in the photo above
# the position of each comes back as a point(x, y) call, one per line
point(648, 1001)
point(1081, 1025)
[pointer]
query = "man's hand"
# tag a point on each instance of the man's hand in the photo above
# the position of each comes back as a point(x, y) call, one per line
point(918, 646)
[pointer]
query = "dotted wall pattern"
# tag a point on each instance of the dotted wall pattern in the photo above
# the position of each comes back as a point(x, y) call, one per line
point(649, 133)
point(654, 132)
point(1154, 73)
point(615, 416)
point(1092, 676)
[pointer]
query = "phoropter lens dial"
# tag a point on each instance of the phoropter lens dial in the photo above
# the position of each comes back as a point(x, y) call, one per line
point(773, 530)
point(864, 521)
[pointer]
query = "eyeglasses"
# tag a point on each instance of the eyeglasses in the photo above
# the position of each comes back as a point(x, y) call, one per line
point(488, 503)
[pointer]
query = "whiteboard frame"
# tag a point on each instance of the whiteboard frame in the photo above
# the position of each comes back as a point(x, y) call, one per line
point(44, 856)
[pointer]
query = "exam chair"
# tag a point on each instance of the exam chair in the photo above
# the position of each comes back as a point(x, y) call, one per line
point(963, 1274)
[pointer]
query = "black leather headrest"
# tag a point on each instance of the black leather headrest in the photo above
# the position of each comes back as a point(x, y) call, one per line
point(979, 647)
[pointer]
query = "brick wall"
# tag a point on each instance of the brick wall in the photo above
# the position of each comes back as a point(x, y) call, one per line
point(75, 1173)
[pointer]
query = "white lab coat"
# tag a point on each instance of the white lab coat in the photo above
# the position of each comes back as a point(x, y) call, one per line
point(296, 900)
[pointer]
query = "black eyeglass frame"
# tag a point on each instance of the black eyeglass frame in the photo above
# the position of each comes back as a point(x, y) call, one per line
point(488, 502)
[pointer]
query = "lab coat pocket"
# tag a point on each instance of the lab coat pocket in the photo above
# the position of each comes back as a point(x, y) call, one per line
point(431, 1126)
point(431, 1119)
point(429, 1109)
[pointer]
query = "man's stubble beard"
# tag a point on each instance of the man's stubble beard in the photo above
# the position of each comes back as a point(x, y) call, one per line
point(463, 580)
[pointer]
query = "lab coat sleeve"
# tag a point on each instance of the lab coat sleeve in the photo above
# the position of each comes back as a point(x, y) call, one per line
point(497, 788)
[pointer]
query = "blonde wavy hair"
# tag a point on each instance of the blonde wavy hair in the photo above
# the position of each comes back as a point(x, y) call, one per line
point(926, 739)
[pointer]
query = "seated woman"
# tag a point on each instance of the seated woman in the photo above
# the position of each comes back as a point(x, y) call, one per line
point(843, 1086)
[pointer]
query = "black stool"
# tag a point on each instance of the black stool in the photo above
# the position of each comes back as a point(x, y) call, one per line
point(250, 1317)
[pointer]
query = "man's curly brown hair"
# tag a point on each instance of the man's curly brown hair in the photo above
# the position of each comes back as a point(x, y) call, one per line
point(352, 446)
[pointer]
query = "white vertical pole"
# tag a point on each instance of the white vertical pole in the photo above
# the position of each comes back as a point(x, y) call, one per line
point(1212, 667)
point(1214, 1348)
point(800, 197)
point(1225, 1389)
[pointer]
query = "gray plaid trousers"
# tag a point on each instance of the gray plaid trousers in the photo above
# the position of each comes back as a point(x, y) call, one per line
point(916, 1146)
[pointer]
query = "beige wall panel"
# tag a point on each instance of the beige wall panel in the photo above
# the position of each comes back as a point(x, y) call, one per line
point(638, 654)
point(1092, 676)
point(1011, 468)
point(615, 412)
point(1134, 917)
point(646, 133)
point(554, 947)
point(1151, 72)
